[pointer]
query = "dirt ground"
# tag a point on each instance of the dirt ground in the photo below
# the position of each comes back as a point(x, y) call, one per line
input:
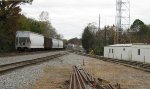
point(56, 76)
point(129, 78)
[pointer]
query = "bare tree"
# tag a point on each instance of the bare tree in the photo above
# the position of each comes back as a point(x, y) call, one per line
point(44, 16)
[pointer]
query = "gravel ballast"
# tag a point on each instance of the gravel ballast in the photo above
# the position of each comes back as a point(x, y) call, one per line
point(7, 60)
point(43, 76)
point(25, 77)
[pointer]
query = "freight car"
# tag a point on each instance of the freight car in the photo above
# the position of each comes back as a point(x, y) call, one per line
point(52, 43)
point(26, 40)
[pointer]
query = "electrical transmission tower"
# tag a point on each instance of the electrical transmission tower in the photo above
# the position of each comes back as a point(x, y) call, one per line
point(122, 18)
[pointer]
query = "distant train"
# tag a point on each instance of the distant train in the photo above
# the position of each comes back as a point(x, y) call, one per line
point(26, 40)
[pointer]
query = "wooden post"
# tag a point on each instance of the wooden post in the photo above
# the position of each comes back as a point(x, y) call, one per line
point(83, 63)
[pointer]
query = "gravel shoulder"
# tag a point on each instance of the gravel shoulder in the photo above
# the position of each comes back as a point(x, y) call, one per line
point(57, 75)
point(7, 60)
point(28, 77)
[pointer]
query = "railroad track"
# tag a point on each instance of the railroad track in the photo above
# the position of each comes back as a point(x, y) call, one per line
point(133, 64)
point(7, 67)
point(20, 53)
point(80, 79)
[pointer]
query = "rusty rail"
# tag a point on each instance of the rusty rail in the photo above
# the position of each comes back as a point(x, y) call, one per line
point(78, 80)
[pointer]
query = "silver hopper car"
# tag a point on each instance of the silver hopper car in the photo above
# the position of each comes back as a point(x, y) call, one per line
point(26, 40)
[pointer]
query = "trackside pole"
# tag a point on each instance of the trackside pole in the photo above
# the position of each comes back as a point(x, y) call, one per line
point(83, 63)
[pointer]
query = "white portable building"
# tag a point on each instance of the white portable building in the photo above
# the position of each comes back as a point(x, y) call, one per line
point(141, 52)
point(134, 52)
point(118, 51)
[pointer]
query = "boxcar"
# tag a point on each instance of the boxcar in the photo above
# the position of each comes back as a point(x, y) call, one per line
point(47, 43)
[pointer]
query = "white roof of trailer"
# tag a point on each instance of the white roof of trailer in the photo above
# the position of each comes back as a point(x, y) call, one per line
point(141, 43)
point(120, 45)
point(130, 45)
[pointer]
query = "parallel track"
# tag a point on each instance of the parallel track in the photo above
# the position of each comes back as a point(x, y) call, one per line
point(133, 64)
point(20, 53)
point(7, 67)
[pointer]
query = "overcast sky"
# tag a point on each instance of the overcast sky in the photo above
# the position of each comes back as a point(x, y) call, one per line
point(69, 17)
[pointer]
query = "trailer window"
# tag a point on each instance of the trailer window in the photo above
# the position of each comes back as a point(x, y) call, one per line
point(112, 50)
point(109, 50)
point(124, 49)
point(139, 51)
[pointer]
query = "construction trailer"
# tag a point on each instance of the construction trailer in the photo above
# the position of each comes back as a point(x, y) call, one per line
point(130, 52)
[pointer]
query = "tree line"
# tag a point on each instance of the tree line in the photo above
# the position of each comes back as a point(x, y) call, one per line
point(94, 39)
point(12, 20)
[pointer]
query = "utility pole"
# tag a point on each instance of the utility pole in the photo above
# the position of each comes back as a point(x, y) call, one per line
point(99, 22)
point(105, 35)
